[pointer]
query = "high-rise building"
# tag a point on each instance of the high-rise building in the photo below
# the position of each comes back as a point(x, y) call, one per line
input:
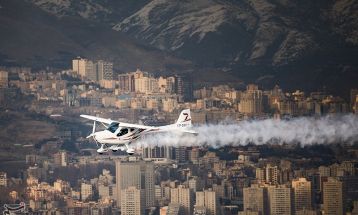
point(157, 152)
point(132, 201)
point(194, 155)
point(146, 85)
point(3, 179)
point(173, 209)
point(303, 194)
point(251, 100)
point(255, 199)
point(184, 197)
point(76, 65)
point(333, 197)
point(181, 154)
point(139, 174)
point(102, 70)
point(166, 85)
point(260, 175)
point(90, 70)
point(126, 82)
point(272, 173)
point(195, 184)
point(61, 158)
point(105, 70)
point(4, 79)
point(61, 186)
point(183, 87)
point(209, 200)
point(324, 171)
point(79, 66)
point(86, 191)
point(281, 200)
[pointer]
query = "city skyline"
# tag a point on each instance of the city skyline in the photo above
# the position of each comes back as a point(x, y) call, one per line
point(266, 93)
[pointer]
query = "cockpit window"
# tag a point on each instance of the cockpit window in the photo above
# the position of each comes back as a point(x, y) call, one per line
point(122, 132)
point(113, 127)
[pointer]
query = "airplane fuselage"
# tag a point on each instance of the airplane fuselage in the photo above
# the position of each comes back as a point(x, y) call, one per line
point(107, 137)
point(118, 134)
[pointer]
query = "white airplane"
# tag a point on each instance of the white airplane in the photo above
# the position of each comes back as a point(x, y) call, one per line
point(119, 135)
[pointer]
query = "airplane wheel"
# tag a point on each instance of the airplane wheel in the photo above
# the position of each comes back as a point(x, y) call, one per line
point(114, 150)
point(100, 153)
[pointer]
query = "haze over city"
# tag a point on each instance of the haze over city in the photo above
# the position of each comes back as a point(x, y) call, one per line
point(258, 101)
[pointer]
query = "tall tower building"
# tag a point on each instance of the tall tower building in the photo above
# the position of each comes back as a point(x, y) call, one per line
point(86, 191)
point(183, 87)
point(324, 171)
point(126, 82)
point(260, 175)
point(132, 201)
point(255, 199)
point(209, 200)
point(333, 197)
point(85, 68)
point(76, 65)
point(272, 173)
point(181, 154)
point(184, 197)
point(303, 194)
point(61, 158)
point(139, 174)
point(90, 70)
point(281, 200)
point(251, 100)
point(4, 79)
point(195, 184)
point(105, 70)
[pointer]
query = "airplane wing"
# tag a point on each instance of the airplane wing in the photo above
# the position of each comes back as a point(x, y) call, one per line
point(98, 119)
point(121, 124)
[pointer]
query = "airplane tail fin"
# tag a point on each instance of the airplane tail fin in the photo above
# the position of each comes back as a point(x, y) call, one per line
point(184, 119)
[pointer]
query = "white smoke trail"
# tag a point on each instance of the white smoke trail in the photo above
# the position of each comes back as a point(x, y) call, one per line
point(304, 130)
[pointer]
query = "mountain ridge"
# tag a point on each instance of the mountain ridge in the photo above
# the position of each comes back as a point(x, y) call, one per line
point(261, 41)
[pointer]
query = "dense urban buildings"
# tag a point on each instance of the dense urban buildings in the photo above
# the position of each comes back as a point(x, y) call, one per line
point(62, 174)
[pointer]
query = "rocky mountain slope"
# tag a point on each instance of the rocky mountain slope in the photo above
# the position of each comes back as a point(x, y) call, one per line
point(250, 31)
point(33, 37)
point(300, 43)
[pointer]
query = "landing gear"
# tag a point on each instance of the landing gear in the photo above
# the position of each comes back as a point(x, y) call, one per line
point(115, 148)
point(130, 151)
point(102, 149)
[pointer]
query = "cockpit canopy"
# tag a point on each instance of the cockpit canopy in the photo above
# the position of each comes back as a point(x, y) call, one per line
point(113, 127)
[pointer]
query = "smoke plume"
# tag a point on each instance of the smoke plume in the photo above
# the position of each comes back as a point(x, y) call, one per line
point(303, 130)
